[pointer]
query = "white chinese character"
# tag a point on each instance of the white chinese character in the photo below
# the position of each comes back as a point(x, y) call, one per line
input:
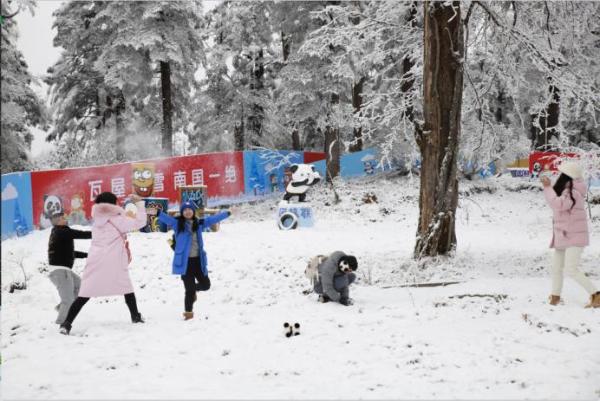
point(198, 177)
point(95, 189)
point(230, 174)
point(118, 187)
point(159, 184)
point(179, 179)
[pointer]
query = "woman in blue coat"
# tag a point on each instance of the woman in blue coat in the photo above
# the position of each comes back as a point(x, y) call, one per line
point(190, 258)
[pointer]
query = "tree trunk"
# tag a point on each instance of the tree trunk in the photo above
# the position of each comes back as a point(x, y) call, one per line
point(119, 131)
point(438, 142)
point(408, 79)
point(256, 116)
point(332, 151)
point(238, 133)
point(286, 42)
point(296, 145)
point(357, 88)
point(547, 121)
point(332, 145)
point(167, 126)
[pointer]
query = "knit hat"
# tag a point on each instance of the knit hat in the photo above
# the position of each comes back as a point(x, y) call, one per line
point(188, 205)
point(571, 168)
point(350, 261)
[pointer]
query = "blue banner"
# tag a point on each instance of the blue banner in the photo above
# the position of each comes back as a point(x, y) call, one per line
point(265, 171)
point(17, 210)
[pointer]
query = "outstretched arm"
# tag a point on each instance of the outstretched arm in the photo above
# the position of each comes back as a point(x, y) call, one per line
point(210, 220)
point(126, 224)
point(164, 218)
point(80, 255)
point(78, 234)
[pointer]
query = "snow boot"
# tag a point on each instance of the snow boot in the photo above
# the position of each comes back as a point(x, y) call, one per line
point(324, 298)
point(594, 300)
point(137, 318)
point(188, 315)
point(554, 299)
point(65, 328)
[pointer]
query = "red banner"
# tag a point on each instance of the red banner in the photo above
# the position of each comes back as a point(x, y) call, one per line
point(540, 162)
point(310, 157)
point(73, 190)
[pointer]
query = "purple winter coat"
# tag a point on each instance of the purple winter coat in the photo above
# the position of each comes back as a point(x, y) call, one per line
point(106, 271)
point(570, 226)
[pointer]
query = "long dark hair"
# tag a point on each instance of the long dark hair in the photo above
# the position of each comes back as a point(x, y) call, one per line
point(182, 220)
point(561, 184)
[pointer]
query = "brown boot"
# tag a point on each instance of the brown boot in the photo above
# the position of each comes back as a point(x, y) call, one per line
point(554, 299)
point(594, 300)
point(188, 315)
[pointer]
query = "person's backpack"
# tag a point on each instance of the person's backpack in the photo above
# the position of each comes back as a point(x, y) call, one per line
point(312, 269)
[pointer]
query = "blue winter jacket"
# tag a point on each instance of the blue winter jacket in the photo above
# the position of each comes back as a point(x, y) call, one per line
point(183, 241)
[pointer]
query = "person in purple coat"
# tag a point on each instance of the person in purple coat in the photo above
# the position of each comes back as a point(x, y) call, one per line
point(190, 260)
point(569, 229)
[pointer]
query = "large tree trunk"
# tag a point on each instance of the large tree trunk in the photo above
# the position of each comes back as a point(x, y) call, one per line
point(357, 89)
point(167, 104)
point(408, 79)
point(438, 141)
point(119, 131)
point(296, 144)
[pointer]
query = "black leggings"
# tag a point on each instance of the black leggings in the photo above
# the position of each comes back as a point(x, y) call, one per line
point(80, 301)
point(193, 274)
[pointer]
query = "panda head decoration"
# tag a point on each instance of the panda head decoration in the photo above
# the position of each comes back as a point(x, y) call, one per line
point(52, 205)
point(305, 173)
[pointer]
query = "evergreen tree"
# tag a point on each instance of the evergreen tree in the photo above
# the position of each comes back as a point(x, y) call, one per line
point(21, 108)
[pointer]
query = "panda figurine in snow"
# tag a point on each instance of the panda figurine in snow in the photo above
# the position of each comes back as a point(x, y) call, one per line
point(52, 204)
point(304, 176)
point(291, 329)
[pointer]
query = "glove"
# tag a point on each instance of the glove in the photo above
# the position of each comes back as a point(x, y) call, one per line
point(346, 301)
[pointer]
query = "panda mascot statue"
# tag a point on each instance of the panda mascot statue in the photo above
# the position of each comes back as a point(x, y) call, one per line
point(292, 215)
point(304, 176)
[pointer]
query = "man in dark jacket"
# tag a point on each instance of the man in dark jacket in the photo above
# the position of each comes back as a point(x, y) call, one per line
point(336, 273)
point(61, 256)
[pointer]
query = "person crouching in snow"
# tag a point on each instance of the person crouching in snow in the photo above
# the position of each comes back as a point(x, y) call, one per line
point(61, 257)
point(570, 229)
point(106, 272)
point(190, 261)
point(336, 273)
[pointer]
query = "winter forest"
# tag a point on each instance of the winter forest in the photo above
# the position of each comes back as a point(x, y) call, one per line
point(440, 89)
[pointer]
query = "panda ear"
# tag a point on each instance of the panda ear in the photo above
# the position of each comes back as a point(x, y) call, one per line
point(312, 167)
point(294, 168)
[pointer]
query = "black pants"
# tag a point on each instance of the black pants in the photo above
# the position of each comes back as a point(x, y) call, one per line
point(193, 274)
point(80, 301)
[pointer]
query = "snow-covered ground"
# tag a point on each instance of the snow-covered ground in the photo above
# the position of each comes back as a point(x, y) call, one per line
point(491, 336)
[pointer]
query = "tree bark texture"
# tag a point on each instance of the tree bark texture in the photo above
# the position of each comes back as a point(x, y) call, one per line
point(332, 145)
point(238, 133)
point(547, 121)
point(357, 90)
point(438, 141)
point(167, 105)
point(256, 115)
point(119, 130)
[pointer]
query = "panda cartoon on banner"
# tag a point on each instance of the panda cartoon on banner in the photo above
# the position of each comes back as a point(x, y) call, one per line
point(304, 176)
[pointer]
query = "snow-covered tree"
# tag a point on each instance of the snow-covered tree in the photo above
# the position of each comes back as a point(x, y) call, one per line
point(21, 108)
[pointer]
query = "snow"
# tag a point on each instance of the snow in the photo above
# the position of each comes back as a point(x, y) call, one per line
point(394, 342)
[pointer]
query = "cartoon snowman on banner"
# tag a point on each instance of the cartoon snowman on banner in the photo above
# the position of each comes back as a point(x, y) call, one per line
point(292, 215)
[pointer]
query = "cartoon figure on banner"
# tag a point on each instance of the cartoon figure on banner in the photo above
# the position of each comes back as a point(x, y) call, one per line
point(77, 214)
point(537, 168)
point(52, 205)
point(152, 206)
point(143, 179)
point(304, 176)
point(273, 182)
point(369, 164)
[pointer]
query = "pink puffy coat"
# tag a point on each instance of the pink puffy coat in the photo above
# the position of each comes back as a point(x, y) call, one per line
point(570, 226)
point(106, 271)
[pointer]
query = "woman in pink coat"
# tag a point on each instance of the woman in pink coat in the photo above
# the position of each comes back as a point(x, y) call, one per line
point(570, 229)
point(106, 272)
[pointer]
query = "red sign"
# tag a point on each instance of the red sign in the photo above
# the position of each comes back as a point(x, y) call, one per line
point(73, 191)
point(310, 157)
point(540, 162)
